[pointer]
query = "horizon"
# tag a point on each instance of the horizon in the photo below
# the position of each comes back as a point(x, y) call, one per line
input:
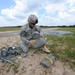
point(40, 26)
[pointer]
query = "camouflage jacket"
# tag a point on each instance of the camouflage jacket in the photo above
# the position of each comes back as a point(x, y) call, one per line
point(26, 32)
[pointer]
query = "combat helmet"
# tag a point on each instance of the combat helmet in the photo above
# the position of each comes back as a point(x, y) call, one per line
point(33, 19)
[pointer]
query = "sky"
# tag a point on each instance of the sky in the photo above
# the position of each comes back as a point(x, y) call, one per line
point(49, 12)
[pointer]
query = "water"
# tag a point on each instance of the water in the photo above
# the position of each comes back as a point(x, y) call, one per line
point(56, 32)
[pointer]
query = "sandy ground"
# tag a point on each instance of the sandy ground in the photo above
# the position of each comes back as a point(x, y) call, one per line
point(31, 64)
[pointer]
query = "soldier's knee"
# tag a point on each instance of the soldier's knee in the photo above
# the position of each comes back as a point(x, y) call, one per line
point(40, 43)
point(25, 48)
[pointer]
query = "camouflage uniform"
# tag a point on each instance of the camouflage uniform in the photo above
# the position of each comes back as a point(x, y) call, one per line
point(27, 34)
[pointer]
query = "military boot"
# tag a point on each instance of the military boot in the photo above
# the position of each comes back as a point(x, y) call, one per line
point(45, 49)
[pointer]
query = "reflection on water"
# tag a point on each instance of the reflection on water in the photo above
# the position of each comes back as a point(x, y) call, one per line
point(56, 32)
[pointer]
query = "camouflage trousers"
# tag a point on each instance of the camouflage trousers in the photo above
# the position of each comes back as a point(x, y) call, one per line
point(38, 43)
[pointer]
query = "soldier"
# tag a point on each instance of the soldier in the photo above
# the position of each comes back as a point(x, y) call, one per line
point(30, 32)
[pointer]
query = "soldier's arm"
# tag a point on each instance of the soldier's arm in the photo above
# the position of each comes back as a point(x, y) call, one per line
point(39, 30)
point(23, 35)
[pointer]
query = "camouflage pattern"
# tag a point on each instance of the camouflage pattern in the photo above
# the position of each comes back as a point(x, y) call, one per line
point(7, 53)
point(49, 60)
point(39, 43)
point(32, 19)
point(27, 34)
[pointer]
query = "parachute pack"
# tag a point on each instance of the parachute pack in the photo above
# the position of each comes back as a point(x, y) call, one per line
point(9, 52)
point(49, 60)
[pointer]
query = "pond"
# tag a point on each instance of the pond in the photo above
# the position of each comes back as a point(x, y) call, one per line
point(56, 32)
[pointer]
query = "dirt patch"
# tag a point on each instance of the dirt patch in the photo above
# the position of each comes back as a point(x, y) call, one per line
point(9, 41)
point(31, 64)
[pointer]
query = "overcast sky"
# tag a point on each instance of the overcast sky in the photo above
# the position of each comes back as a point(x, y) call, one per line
point(49, 12)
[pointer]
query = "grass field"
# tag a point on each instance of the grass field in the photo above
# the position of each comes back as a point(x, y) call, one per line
point(63, 46)
point(9, 29)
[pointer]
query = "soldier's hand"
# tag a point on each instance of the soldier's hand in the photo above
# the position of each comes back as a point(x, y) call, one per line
point(31, 43)
point(41, 35)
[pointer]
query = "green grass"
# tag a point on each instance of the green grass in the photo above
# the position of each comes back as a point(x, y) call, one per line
point(9, 28)
point(72, 29)
point(63, 46)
